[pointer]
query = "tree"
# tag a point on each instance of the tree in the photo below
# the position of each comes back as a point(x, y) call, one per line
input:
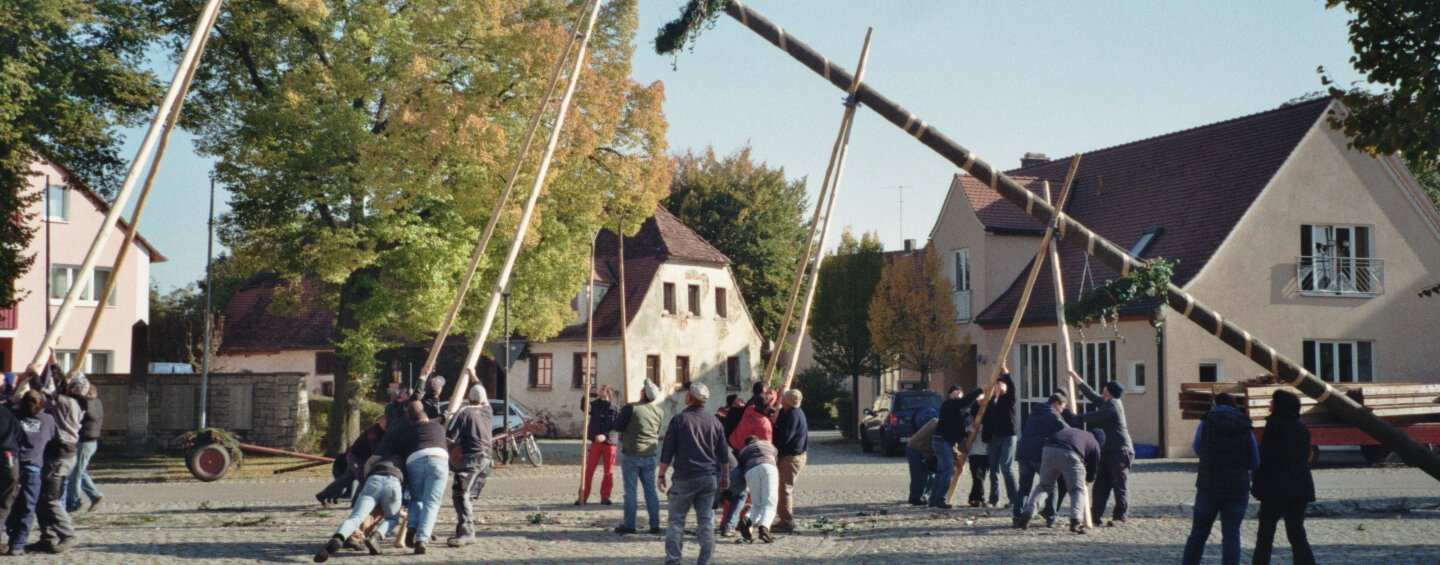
point(823, 393)
point(840, 318)
point(753, 215)
point(365, 143)
point(70, 74)
point(912, 317)
point(177, 318)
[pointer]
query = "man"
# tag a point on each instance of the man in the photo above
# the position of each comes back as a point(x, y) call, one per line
point(695, 445)
point(732, 402)
point(920, 454)
point(381, 490)
point(10, 433)
point(1044, 422)
point(434, 387)
point(36, 431)
point(1116, 454)
point(1074, 454)
point(1002, 421)
point(1228, 453)
point(602, 448)
point(639, 427)
point(979, 460)
point(426, 471)
point(949, 435)
point(469, 434)
point(757, 459)
point(792, 439)
point(80, 481)
point(57, 531)
point(355, 458)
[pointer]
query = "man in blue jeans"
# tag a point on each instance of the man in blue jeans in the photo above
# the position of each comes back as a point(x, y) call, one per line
point(1228, 453)
point(1044, 422)
point(695, 445)
point(950, 432)
point(998, 431)
point(426, 469)
point(382, 489)
point(639, 427)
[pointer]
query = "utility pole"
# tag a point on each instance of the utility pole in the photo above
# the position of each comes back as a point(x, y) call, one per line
point(209, 307)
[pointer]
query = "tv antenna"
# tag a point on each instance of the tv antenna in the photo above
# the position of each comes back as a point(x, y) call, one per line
point(901, 188)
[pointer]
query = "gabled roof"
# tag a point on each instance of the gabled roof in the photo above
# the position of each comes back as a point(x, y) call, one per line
point(999, 215)
point(74, 182)
point(1195, 185)
point(250, 327)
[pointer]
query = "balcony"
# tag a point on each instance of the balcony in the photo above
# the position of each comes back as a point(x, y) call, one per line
point(1321, 275)
point(7, 318)
point(962, 306)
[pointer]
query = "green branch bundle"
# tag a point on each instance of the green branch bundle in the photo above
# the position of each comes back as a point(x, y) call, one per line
point(1104, 301)
point(695, 16)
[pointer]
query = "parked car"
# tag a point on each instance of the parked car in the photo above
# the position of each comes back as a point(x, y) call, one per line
point(519, 415)
point(891, 421)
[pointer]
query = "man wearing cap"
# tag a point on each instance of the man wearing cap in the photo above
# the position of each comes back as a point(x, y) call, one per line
point(695, 446)
point(1074, 454)
point(792, 439)
point(1116, 454)
point(469, 437)
point(434, 386)
point(639, 426)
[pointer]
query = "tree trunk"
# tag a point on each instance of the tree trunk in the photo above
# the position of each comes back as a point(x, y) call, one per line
point(344, 425)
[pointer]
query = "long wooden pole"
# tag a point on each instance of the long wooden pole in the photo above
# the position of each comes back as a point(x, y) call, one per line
point(1264, 355)
point(178, 84)
point(1035, 266)
point(585, 374)
point(846, 126)
point(503, 280)
point(624, 312)
point(478, 255)
point(1065, 346)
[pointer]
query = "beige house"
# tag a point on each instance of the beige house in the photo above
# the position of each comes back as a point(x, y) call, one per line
point(686, 323)
point(1314, 248)
point(66, 219)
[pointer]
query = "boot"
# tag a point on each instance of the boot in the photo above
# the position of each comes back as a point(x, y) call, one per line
point(409, 537)
point(745, 525)
point(419, 548)
point(330, 547)
point(765, 535)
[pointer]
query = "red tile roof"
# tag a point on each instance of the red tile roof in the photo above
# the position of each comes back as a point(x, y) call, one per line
point(1194, 185)
point(250, 327)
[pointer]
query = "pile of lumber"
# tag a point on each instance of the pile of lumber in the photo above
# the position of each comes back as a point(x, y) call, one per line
point(1394, 402)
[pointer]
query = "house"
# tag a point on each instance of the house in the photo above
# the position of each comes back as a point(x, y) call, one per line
point(1315, 248)
point(686, 322)
point(66, 219)
point(256, 340)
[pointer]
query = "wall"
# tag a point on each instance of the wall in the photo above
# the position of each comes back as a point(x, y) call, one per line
point(297, 361)
point(269, 409)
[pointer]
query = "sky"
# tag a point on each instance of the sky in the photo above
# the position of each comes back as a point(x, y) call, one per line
point(1000, 78)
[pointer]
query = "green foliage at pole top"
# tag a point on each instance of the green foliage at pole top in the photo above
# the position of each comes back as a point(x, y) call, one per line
point(1104, 301)
point(70, 74)
point(695, 16)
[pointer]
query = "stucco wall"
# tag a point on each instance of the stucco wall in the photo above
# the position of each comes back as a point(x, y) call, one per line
point(298, 361)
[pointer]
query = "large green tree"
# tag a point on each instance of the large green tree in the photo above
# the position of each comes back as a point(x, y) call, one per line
point(365, 142)
point(912, 317)
point(752, 214)
point(840, 317)
point(70, 74)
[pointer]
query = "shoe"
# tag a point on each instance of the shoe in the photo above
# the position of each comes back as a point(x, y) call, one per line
point(1075, 526)
point(725, 531)
point(330, 547)
point(622, 530)
point(323, 503)
point(15, 551)
point(420, 548)
point(1023, 522)
point(95, 504)
point(1081, 529)
point(605, 501)
point(1115, 523)
point(460, 541)
point(372, 543)
point(977, 504)
point(916, 502)
point(579, 502)
point(1049, 522)
point(765, 535)
point(38, 547)
point(745, 524)
point(409, 538)
point(62, 546)
point(352, 545)
point(942, 506)
point(657, 531)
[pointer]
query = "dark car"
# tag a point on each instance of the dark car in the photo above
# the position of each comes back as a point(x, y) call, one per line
point(891, 421)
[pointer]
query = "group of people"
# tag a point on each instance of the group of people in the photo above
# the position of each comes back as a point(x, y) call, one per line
point(402, 463)
point(1052, 449)
point(49, 430)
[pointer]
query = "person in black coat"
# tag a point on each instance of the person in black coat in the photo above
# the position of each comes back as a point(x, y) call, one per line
point(949, 433)
point(1283, 484)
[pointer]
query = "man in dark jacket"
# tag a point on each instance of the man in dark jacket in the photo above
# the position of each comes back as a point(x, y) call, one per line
point(10, 432)
point(434, 387)
point(1283, 484)
point(1075, 455)
point(1044, 422)
point(1226, 446)
point(355, 458)
point(1002, 422)
point(950, 432)
point(695, 446)
point(1117, 454)
point(36, 431)
point(792, 439)
point(80, 480)
point(469, 437)
point(602, 447)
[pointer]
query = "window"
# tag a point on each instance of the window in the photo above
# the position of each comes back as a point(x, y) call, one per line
point(66, 360)
point(1210, 372)
point(1137, 376)
point(962, 285)
point(97, 362)
point(541, 370)
point(327, 388)
point(57, 203)
point(1143, 244)
point(669, 298)
point(1095, 361)
point(722, 307)
point(1338, 260)
point(652, 368)
point(100, 363)
point(581, 369)
point(1340, 361)
point(682, 369)
point(1036, 376)
point(97, 286)
point(732, 372)
point(62, 277)
point(325, 362)
point(693, 299)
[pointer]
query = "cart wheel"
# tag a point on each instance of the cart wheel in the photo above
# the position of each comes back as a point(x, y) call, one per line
point(1374, 453)
point(532, 452)
point(1314, 454)
point(208, 462)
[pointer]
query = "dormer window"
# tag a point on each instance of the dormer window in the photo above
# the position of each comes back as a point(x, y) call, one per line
point(1143, 244)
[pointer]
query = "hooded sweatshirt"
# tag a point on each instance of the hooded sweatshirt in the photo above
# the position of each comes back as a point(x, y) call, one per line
point(1226, 446)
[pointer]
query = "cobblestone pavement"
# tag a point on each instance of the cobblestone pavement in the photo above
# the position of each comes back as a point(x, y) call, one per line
point(1385, 515)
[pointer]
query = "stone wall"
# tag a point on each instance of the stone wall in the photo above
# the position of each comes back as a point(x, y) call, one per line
point(149, 411)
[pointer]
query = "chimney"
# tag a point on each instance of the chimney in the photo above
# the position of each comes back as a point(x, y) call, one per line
point(909, 246)
point(1032, 158)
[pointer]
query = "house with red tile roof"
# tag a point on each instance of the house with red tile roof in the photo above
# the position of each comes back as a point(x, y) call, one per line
point(1271, 219)
point(254, 338)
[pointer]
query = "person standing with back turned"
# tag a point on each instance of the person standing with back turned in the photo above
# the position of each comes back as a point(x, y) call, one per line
point(1116, 455)
point(1226, 446)
point(639, 427)
point(695, 446)
point(1283, 484)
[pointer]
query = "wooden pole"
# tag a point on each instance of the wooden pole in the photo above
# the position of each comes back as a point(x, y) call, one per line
point(846, 125)
point(585, 373)
point(624, 313)
point(1065, 346)
point(178, 83)
point(479, 254)
point(1264, 355)
point(502, 281)
point(1035, 266)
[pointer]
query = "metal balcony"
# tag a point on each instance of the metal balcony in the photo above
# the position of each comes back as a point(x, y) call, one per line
point(1320, 275)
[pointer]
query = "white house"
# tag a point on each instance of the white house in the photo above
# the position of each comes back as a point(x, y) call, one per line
point(253, 339)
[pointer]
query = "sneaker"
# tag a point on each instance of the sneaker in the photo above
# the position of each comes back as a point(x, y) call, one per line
point(579, 502)
point(1081, 529)
point(1075, 526)
point(420, 548)
point(765, 535)
point(725, 531)
point(330, 547)
point(605, 501)
point(95, 504)
point(460, 541)
point(917, 502)
point(15, 551)
point(1023, 522)
point(323, 503)
point(1049, 522)
point(782, 528)
point(977, 504)
point(372, 543)
point(37, 547)
point(1115, 523)
point(745, 525)
point(62, 546)
point(657, 531)
point(622, 530)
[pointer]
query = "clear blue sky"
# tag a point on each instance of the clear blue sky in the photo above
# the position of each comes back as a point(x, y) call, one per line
point(1000, 78)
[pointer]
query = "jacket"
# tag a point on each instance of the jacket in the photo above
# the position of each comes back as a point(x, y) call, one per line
point(1040, 427)
point(602, 420)
point(1002, 417)
point(955, 417)
point(91, 421)
point(639, 427)
point(792, 432)
point(1227, 451)
point(752, 423)
point(1108, 416)
point(1082, 443)
point(694, 445)
point(1284, 474)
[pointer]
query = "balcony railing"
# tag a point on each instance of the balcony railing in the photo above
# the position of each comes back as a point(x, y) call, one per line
point(1320, 275)
point(8, 318)
point(962, 306)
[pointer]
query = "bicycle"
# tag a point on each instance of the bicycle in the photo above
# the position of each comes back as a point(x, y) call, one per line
point(519, 443)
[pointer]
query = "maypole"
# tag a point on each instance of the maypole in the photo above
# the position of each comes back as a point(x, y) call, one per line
point(585, 368)
point(624, 312)
point(1264, 355)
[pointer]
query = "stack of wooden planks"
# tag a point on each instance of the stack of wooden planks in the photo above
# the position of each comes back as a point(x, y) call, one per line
point(1394, 402)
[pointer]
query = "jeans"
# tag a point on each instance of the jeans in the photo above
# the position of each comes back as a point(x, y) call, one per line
point(379, 490)
point(1230, 506)
point(641, 469)
point(1294, 515)
point(789, 466)
point(697, 493)
point(55, 523)
point(601, 454)
point(22, 514)
point(426, 476)
point(80, 478)
point(1057, 463)
point(920, 475)
point(978, 466)
point(737, 491)
point(1028, 471)
point(1114, 474)
point(1001, 454)
point(764, 482)
point(944, 469)
point(469, 482)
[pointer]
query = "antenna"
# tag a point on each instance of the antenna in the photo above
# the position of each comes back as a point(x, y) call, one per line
point(901, 188)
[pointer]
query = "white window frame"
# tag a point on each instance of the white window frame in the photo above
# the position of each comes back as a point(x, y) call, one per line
point(65, 358)
point(1135, 386)
point(87, 296)
point(64, 201)
point(1105, 365)
point(1355, 373)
